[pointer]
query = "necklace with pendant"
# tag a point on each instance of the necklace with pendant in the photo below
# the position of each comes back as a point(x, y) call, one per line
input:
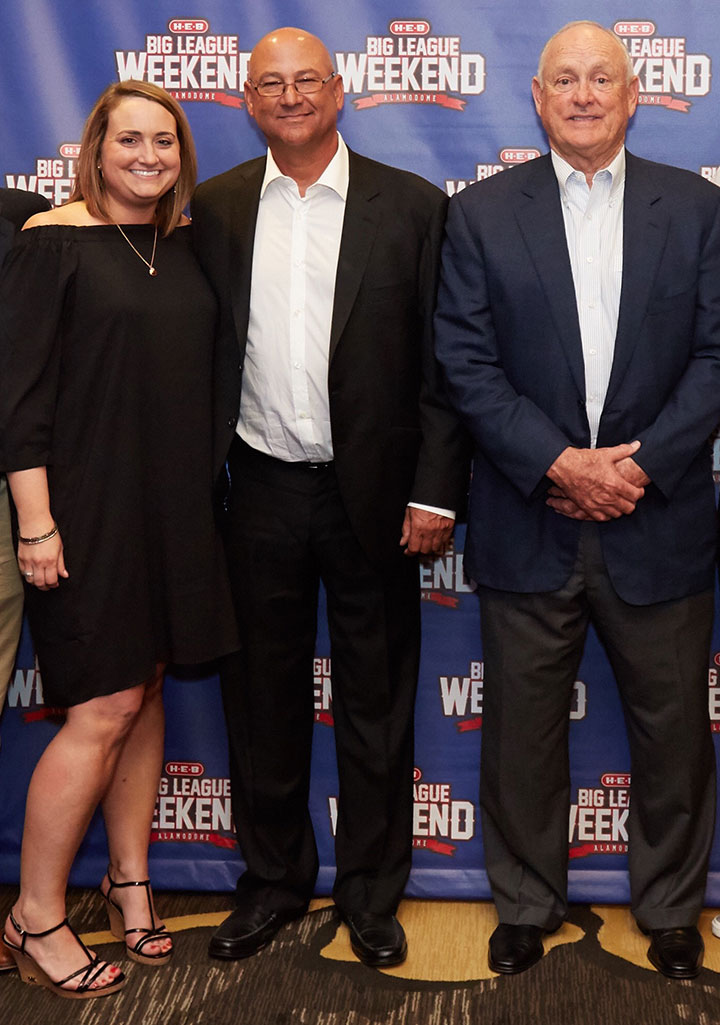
point(151, 264)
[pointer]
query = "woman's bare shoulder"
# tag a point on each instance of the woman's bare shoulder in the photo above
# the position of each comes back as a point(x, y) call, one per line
point(71, 213)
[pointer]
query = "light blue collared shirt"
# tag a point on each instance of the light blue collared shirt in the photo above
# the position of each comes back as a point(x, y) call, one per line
point(594, 231)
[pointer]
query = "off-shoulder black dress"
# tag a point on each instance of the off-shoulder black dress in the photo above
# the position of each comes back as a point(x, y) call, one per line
point(105, 378)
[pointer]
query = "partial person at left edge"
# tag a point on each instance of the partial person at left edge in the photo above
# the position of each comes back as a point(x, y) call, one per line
point(107, 331)
point(16, 205)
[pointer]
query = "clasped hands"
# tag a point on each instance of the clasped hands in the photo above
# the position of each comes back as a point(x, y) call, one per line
point(596, 483)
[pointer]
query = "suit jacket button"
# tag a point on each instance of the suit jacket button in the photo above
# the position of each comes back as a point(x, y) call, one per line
point(232, 421)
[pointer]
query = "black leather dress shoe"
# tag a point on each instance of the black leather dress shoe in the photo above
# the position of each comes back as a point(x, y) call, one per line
point(248, 929)
point(514, 948)
point(377, 940)
point(677, 953)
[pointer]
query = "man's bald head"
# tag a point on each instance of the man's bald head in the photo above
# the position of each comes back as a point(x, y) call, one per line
point(279, 40)
point(300, 124)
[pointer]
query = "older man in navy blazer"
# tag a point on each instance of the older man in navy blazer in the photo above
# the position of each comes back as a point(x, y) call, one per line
point(579, 327)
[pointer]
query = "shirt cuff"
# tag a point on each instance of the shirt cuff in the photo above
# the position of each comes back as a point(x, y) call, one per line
point(450, 513)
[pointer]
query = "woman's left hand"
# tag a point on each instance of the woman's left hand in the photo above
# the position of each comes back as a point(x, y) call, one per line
point(43, 565)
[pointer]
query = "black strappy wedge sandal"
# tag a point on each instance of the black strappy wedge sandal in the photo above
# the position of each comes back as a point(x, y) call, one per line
point(117, 926)
point(32, 973)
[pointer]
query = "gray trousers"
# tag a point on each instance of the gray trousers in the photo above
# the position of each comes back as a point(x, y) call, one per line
point(533, 644)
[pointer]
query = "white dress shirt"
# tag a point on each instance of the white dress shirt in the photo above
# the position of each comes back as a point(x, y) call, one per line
point(284, 404)
point(594, 231)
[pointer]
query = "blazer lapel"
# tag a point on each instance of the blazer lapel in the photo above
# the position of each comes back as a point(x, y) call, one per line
point(360, 226)
point(243, 218)
point(540, 218)
point(645, 228)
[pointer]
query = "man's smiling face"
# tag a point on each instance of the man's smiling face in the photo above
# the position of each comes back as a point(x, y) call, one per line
point(293, 119)
point(585, 99)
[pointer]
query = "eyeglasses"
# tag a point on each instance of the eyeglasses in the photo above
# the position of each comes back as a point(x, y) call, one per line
point(305, 85)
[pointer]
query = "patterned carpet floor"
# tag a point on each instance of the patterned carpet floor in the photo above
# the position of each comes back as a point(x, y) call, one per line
point(594, 973)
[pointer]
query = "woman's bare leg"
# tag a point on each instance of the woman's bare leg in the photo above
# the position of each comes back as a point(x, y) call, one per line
point(128, 807)
point(69, 781)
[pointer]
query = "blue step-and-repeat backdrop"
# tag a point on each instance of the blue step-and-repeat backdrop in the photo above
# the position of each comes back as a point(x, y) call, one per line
point(442, 89)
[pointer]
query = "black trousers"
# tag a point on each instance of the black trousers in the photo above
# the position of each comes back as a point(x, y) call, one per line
point(533, 644)
point(287, 531)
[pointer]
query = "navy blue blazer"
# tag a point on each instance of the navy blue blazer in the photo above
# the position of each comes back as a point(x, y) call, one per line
point(508, 337)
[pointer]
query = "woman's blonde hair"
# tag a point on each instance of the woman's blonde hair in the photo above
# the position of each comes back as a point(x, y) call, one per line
point(89, 183)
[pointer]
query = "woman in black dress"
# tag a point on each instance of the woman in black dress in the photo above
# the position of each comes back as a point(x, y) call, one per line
point(106, 419)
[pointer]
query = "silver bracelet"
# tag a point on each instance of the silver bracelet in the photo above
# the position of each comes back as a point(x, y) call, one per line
point(39, 539)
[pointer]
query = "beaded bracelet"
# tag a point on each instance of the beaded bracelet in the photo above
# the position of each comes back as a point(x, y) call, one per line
point(40, 538)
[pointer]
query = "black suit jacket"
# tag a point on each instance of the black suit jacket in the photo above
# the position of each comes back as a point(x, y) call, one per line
point(394, 435)
point(16, 206)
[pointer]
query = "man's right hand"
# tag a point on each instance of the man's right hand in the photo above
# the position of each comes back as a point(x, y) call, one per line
point(589, 485)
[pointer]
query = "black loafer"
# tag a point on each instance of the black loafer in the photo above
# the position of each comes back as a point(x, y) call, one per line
point(676, 953)
point(377, 940)
point(248, 929)
point(514, 948)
